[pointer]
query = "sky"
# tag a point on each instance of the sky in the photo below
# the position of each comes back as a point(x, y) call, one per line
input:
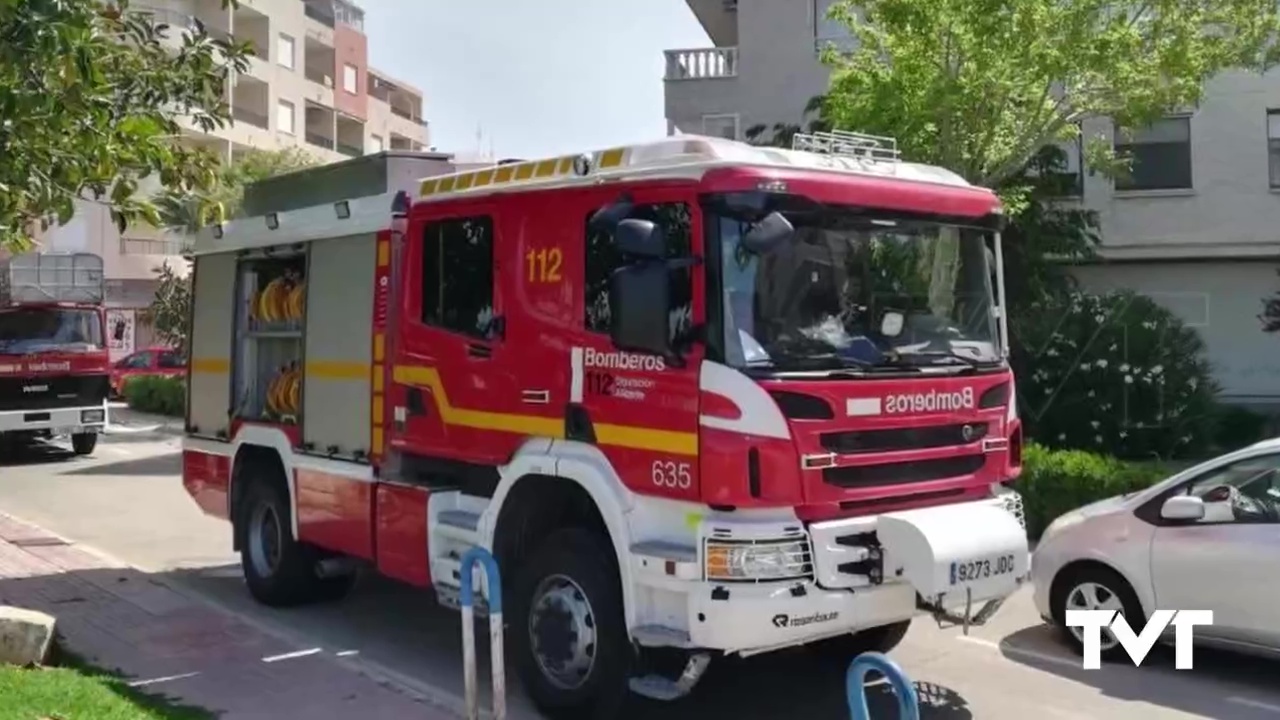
point(538, 77)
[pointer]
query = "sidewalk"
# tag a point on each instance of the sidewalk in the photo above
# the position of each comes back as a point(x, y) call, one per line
point(119, 618)
point(123, 421)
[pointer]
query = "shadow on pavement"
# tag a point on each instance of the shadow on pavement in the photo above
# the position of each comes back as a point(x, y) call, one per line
point(1040, 647)
point(13, 454)
point(166, 464)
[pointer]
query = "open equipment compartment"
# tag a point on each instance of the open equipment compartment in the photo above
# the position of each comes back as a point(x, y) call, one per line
point(270, 320)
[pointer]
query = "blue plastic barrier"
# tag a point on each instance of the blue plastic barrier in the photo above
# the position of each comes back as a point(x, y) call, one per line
point(467, 599)
point(855, 686)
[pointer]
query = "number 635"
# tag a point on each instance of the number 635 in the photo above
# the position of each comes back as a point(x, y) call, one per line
point(669, 474)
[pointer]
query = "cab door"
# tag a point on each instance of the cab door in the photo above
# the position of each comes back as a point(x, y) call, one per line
point(640, 409)
point(451, 374)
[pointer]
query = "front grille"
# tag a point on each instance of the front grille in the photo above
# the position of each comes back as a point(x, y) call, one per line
point(51, 393)
point(902, 473)
point(912, 438)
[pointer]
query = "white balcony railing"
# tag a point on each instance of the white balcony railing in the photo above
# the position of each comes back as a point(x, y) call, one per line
point(702, 63)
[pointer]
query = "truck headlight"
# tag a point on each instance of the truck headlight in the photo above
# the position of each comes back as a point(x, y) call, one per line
point(758, 560)
point(92, 416)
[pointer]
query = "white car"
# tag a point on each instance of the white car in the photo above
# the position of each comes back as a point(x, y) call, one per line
point(1207, 538)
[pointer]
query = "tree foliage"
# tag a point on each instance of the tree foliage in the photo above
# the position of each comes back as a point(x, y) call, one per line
point(92, 94)
point(979, 86)
point(170, 311)
point(188, 211)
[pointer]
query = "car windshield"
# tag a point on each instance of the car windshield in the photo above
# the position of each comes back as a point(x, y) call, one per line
point(852, 290)
point(39, 329)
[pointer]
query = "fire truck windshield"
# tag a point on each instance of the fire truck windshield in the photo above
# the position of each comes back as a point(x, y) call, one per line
point(49, 329)
point(854, 290)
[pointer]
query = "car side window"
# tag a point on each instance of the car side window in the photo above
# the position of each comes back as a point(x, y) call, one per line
point(1245, 491)
point(603, 257)
point(457, 275)
point(171, 360)
point(140, 361)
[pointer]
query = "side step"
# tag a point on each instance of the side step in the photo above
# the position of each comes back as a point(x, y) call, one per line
point(656, 687)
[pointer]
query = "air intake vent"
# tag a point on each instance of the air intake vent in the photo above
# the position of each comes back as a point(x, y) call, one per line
point(797, 406)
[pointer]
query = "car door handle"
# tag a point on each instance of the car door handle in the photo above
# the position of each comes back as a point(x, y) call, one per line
point(535, 397)
point(476, 350)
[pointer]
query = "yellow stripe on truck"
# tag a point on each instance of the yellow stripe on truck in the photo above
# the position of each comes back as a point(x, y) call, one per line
point(211, 366)
point(625, 436)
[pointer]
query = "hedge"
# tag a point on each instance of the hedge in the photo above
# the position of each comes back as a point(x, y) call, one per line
point(157, 395)
point(1054, 482)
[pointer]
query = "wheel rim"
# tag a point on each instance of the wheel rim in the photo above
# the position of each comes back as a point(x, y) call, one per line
point(265, 541)
point(1094, 596)
point(562, 632)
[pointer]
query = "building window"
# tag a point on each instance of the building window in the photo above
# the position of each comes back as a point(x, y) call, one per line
point(723, 126)
point(1161, 155)
point(284, 51)
point(1273, 146)
point(375, 144)
point(285, 117)
point(603, 257)
point(825, 29)
point(349, 81)
point(457, 275)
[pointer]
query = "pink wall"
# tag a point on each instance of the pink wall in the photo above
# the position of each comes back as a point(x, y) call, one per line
point(351, 47)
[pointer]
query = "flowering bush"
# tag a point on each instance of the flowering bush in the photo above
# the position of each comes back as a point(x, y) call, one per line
point(1113, 373)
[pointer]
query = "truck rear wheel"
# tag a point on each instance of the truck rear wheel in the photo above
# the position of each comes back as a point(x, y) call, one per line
point(84, 443)
point(570, 636)
point(880, 639)
point(280, 571)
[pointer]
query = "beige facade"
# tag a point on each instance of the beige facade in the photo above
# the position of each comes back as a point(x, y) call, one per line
point(299, 91)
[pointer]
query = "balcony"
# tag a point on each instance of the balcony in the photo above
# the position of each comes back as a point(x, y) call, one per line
point(701, 64)
point(320, 12)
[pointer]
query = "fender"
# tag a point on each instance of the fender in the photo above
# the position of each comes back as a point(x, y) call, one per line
point(587, 466)
point(274, 439)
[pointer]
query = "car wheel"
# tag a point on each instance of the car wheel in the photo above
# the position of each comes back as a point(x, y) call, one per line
point(280, 571)
point(569, 633)
point(84, 443)
point(1095, 588)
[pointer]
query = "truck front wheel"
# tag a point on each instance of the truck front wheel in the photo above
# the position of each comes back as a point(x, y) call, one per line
point(84, 443)
point(279, 570)
point(569, 630)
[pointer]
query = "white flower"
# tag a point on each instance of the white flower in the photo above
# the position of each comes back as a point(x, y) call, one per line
point(1097, 439)
point(1124, 367)
point(1124, 434)
point(1128, 379)
point(1095, 424)
point(1157, 369)
point(1101, 363)
point(1062, 436)
point(1091, 393)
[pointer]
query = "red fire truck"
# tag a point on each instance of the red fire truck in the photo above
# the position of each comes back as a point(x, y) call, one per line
point(54, 364)
point(697, 398)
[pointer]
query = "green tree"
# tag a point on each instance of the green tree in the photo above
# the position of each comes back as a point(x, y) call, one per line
point(92, 94)
point(979, 86)
point(188, 211)
point(170, 311)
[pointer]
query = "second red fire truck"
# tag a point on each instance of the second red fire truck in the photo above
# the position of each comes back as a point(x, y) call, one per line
point(697, 397)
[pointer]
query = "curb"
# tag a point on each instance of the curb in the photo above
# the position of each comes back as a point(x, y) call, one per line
point(424, 692)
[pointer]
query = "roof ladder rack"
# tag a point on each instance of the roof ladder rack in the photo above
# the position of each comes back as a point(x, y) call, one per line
point(855, 145)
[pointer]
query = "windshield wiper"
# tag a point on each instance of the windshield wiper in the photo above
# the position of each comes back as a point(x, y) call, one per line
point(940, 357)
point(817, 361)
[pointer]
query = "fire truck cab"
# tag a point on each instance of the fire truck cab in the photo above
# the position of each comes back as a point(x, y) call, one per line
point(697, 398)
point(54, 362)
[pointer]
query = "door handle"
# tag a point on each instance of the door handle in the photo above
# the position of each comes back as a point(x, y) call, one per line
point(477, 350)
point(535, 397)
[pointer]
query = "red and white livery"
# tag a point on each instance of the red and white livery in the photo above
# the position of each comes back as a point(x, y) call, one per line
point(693, 395)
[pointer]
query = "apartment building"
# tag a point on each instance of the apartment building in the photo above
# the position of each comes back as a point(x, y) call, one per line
point(310, 86)
point(1196, 227)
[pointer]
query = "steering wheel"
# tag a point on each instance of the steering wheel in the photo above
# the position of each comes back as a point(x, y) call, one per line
point(1244, 507)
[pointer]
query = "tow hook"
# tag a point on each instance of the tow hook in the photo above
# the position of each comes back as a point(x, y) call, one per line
point(657, 687)
point(941, 615)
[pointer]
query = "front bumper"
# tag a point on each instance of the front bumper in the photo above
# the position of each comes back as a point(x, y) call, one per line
point(866, 572)
point(57, 421)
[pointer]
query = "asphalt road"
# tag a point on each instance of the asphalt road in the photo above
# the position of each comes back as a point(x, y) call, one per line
point(128, 501)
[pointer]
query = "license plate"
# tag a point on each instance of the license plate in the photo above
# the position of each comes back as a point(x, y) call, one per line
point(975, 570)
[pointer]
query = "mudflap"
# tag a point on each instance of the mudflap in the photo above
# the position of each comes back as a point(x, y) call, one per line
point(958, 558)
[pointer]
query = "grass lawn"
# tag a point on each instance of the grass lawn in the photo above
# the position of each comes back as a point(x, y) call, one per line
point(79, 692)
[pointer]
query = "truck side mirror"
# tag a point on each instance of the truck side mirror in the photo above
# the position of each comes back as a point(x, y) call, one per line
point(639, 299)
point(773, 230)
point(641, 238)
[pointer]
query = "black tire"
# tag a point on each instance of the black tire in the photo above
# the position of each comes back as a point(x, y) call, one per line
point(845, 648)
point(583, 558)
point(84, 443)
point(287, 576)
point(1114, 584)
